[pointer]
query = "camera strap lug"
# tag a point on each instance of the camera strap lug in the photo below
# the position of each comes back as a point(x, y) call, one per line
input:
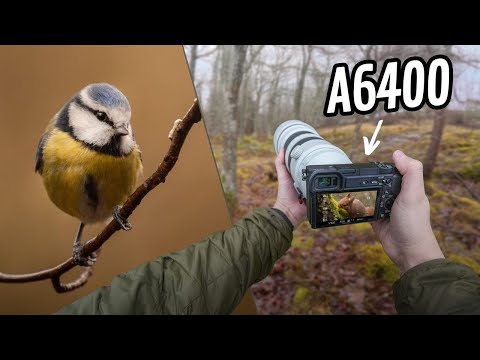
point(304, 174)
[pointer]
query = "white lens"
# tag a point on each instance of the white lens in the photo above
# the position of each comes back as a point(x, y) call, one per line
point(303, 147)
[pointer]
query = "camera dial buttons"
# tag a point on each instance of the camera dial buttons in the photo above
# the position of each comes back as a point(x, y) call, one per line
point(387, 181)
point(388, 203)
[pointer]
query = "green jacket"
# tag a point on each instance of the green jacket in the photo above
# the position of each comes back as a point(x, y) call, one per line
point(438, 287)
point(211, 277)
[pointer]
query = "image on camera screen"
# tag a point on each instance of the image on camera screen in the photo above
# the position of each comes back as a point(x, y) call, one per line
point(346, 206)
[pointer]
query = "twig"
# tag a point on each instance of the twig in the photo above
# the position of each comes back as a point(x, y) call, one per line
point(81, 280)
point(470, 190)
point(180, 132)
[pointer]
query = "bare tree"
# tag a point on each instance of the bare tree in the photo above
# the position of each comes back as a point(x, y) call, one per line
point(238, 55)
point(195, 54)
point(435, 139)
point(282, 82)
point(193, 61)
point(440, 116)
point(297, 99)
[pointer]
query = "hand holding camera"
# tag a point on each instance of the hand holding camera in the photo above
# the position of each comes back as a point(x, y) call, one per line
point(287, 197)
point(337, 192)
point(407, 237)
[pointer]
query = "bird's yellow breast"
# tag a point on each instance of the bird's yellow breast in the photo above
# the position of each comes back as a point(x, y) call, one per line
point(66, 165)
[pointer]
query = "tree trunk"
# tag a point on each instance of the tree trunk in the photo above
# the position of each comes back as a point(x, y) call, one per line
point(297, 100)
point(355, 138)
point(215, 104)
point(231, 122)
point(193, 61)
point(432, 152)
point(246, 121)
point(271, 116)
point(249, 125)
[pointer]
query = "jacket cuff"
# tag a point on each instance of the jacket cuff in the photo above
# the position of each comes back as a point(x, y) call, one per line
point(284, 217)
point(418, 289)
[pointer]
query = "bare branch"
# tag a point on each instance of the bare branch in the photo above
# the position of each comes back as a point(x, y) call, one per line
point(207, 53)
point(178, 136)
point(465, 185)
point(254, 52)
point(81, 280)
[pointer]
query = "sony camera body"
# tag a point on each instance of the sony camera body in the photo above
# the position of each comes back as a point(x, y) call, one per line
point(335, 191)
point(349, 193)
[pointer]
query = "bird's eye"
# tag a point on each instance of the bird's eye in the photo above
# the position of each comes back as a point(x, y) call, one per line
point(101, 115)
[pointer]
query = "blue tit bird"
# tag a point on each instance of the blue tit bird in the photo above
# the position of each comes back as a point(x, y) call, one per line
point(89, 160)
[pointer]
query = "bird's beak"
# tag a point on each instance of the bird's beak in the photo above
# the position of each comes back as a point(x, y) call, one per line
point(121, 130)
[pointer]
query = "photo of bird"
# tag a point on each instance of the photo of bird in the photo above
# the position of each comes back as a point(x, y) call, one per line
point(89, 160)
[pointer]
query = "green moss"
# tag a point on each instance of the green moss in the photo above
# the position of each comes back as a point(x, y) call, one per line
point(231, 200)
point(300, 294)
point(439, 194)
point(243, 172)
point(331, 245)
point(471, 263)
point(252, 144)
point(304, 227)
point(337, 211)
point(302, 243)
point(471, 172)
point(337, 231)
point(466, 211)
point(248, 139)
point(376, 264)
point(438, 235)
point(364, 229)
point(429, 186)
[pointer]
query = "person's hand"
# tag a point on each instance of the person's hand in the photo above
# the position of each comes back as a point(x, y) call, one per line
point(407, 237)
point(287, 196)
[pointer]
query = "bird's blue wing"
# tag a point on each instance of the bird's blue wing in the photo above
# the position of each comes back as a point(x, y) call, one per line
point(39, 156)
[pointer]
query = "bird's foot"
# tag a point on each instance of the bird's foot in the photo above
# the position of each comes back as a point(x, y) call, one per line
point(176, 124)
point(121, 221)
point(81, 260)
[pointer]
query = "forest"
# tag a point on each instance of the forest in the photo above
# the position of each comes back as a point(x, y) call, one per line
point(246, 91)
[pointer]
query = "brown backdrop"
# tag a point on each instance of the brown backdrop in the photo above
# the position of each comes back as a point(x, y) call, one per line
point(35, 81)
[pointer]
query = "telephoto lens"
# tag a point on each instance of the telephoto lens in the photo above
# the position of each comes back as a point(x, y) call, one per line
point(304, 146)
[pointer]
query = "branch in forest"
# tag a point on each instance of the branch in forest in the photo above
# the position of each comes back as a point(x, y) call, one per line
point(177, 137)
point(465, 185)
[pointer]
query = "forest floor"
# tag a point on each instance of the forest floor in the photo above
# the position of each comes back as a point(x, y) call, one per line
point(343, 269)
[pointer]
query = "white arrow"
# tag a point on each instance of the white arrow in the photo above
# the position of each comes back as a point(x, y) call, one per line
point(372, 145)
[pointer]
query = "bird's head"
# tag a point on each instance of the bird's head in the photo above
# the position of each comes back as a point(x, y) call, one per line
point(99, 116)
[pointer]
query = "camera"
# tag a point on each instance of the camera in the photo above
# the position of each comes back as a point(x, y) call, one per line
point(335, 191)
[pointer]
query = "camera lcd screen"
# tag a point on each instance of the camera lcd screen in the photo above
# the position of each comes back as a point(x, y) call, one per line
point(345, 207)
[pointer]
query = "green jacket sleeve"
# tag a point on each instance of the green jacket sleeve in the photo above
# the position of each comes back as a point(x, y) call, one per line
point(210, 277)
point(438, 287)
